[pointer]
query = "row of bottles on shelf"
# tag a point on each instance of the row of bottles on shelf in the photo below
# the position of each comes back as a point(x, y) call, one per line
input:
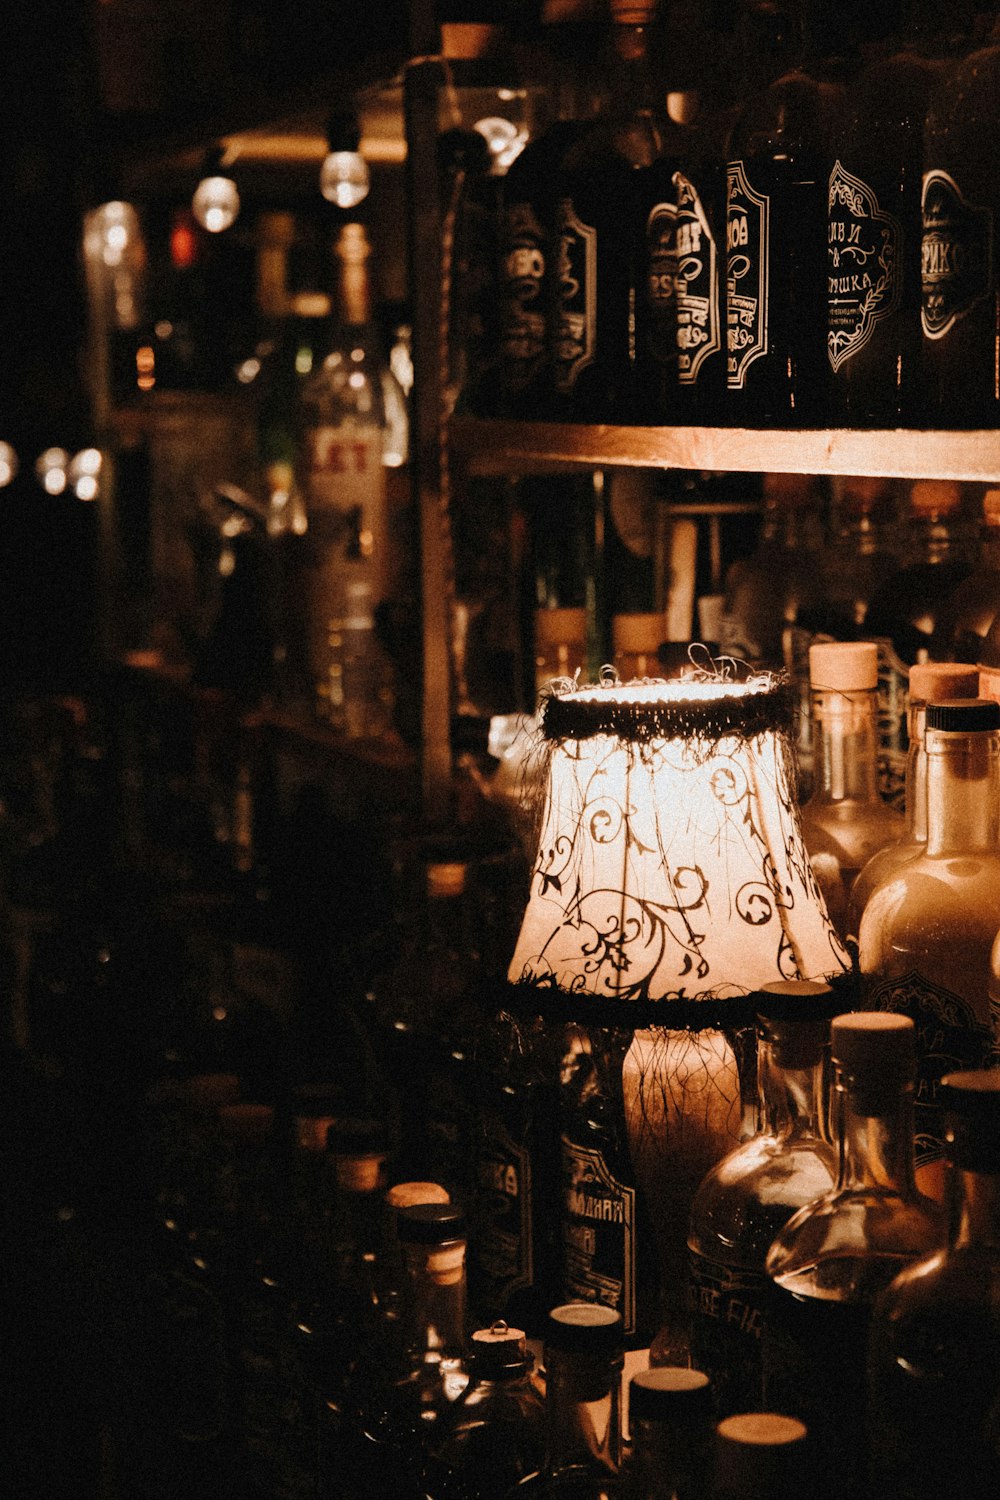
point(804, 242)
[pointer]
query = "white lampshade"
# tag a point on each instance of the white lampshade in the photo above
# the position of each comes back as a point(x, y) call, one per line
point(670, 861)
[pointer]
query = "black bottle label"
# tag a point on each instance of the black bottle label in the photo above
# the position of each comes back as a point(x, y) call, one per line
point(950, 1039)
point(576, 313)
point(598, 1232)
point(728, 1312)
point(523, 335)
point(747, 262)
point(863, 247)
point(699, 331)
point(956, 262)
point(504, 1249)
point(661, 285)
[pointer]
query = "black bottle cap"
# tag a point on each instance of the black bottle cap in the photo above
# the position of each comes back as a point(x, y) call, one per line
point(431, 1223)
point(971, 1104)
point(963, 715)
point(670, 1393)
point(585, 1328)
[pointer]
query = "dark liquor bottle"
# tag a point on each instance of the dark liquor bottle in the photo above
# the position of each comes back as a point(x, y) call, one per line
point(874, 224)
point(835, 1255)
point(496, 1433)
point(777, 368)
point(595, 189)
point(960, 311)
point(670, 1420)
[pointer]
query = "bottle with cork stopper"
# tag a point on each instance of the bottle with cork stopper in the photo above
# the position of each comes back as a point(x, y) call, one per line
point(497, 1433)
point(927, 930)
point(929, 682)
point(760, 1453)
point(671, 1423)
point(845, 821)
point(836, 1254)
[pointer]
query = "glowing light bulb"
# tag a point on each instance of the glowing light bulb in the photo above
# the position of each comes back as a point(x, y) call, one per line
point(50, 470)
point(344, 178)
point(216, 203)
point(84, 473)
point(8, 464)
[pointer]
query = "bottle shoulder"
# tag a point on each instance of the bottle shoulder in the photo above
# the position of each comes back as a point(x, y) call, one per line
point(850, 1243)
point(919, 908)
point(746, 1198)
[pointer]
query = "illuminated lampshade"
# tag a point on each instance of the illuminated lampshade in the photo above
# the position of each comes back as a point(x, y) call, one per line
point(670, 862)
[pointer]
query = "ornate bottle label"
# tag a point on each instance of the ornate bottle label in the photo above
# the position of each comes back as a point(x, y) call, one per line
point(747, 274)
point(728, 1312)
point(504, 1247)
point(893, 736)
point(598, 1232)
point(863, 245)
point(661, 285)
point(950, 1039)
point(576, 318)
point(523, 336)
point(345, 486)
point(699, 329)
point(956, 262)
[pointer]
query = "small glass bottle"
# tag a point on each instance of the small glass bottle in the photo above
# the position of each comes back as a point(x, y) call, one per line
point(845, 820)
point(496, 1429)
point(837, 1253)
point(583, 1356)
point(934, 1350)
point(754, 1190)
point(670, 1418)
point(929, 682)
point(758, 1454)
point(970, 610)
point(927, 931)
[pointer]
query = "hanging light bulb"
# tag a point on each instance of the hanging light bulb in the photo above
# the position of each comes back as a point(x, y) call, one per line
point(216, 201)
point(84, 473)
point(50, 470)
point(8, 464)
point(343, 177)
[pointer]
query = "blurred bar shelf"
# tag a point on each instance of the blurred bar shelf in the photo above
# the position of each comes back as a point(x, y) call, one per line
point(488, 446)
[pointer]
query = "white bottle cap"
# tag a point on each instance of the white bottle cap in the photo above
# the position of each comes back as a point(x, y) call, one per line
point(843, 666)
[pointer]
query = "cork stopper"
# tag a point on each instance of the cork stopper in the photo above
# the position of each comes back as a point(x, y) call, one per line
point(499, 1351)
point(407, 1194)
point(561, 627)
point(843, 666)
point(934, 681)
point(670, 1393)
point(640, 633)
point(930, 498)
point(759, 1453)
point(991, 508)
point(876, 1053)
point(794, 1017)
point(446, 879)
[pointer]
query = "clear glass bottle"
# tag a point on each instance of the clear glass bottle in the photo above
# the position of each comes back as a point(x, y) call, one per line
point(583, 1373)
point(845, 820)
point(343, 438)
point(754, 1190)
point(970, 611)
point(671, 1425)
point(934, 1349)
point(929, 682)
point(496, 1428)
point(760, 1453)
point(837, 1253)
point(927, 931)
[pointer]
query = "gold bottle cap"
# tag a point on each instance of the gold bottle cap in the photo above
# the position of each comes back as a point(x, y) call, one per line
point(843, 666)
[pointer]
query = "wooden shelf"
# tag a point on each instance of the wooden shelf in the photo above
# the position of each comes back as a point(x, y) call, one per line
point(486, 446)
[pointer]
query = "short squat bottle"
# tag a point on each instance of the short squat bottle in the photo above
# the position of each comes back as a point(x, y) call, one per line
point(927, 930)
point(583, 1354)
point(845, 820)
point(496, 1432)
point(934, 1352)
point(760, 1454)
point(753, 1191)
point(837, 1253)
point(671, 1424)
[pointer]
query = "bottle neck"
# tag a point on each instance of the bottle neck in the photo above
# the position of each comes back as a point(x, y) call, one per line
point(915, 794)
point(791, 1099)
point(583, 1417)
point(436, 1288)
point(976, 1209)
point(846, 744)
point(875, 1136)
point(633, 89)
point(963, 792)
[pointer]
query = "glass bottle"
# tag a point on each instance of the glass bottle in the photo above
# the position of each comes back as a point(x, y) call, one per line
point(342, 453)
point(960, 309)
point(670, 1420)
point(857, 555)
point(837, 1253)
point(583, 1371)
point(776, 281)
point(929, 682)
point(754, 1190)
point(845, 820)
point(969, 612)
point(926, 932)
point(934, 1349)
point(760, 1453)
point(596, 187)
point(496, 1431)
